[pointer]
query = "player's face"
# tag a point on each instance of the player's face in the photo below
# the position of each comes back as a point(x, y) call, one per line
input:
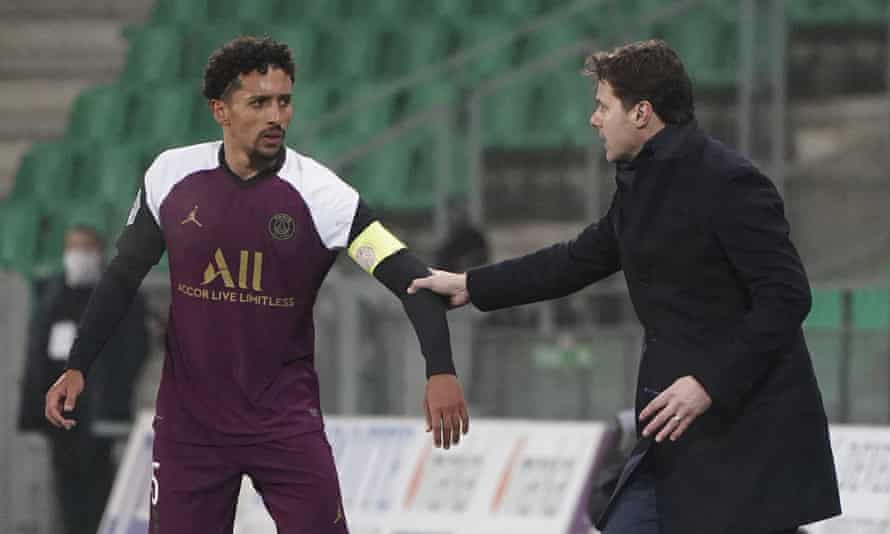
point(621, 136)
point(258, 113)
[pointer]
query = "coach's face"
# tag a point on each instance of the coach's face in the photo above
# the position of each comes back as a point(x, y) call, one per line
point(619, 128)
point(257, 112)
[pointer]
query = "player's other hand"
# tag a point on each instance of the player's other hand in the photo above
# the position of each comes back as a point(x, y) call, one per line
point(446, 410)
point(63, 396)
point(451, 285)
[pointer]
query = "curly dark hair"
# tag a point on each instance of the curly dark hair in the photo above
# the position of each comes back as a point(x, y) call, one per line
point(646, 70)
point(241, 56)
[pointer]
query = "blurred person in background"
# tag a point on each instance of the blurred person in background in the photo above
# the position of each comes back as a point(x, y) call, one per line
point(251, 229)
point(734, 436)
point(82, 463)
point(464, 246)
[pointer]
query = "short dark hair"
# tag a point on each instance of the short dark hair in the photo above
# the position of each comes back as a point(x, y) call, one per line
point(646, 70)
point(241, 56)
point(88, 229)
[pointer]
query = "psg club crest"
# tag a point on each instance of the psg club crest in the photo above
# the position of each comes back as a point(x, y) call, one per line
point(282, 226)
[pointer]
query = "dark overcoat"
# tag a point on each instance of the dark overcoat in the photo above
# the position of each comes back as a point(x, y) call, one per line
point(701, 236)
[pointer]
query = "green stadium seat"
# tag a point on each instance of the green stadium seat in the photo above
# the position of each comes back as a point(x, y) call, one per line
point(155, 55)
point(399, 176)
point(50, 246)
point(455, 10)
point(415, 190)
point(311, 100)
point(92, 213)
point(111, 174)
point(329, 149)
point(368, 119)
point(317, 11)
point(871, 309)
point(519, 10)
point(45, 175)
point(163, 114)
point(432, 94)
point(546, 43)
point(707, 42)
point(826, 310)
point(870, 355)
point(357, 58)
point(260, 11)
point(496, 53)
point(179, 11)
point(818, 13)
point(304, 40)
point(506, 116)
point(822, 329)
point(415, 47)
point(561, 114)
point(826, 348)
point(202, 41)
point(19, 234)
point(99, 113)
point(204, 126)
point(390, 10)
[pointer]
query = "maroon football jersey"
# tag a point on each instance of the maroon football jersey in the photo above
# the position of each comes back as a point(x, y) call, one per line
point(246, 261)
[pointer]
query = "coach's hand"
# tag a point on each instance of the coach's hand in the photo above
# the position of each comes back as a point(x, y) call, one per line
point(446, 410)
point(451, 285)
point(676, 409)
point(63, 396)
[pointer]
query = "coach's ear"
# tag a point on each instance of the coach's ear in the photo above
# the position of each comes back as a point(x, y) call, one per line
point(220, 111)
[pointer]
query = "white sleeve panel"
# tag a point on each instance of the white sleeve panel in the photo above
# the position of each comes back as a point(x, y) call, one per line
point(171, 167)
point(331, 201)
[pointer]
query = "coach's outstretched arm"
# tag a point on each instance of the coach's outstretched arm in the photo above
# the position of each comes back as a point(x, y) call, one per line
point(381, 254)
point(549, 273)
point(139, 248)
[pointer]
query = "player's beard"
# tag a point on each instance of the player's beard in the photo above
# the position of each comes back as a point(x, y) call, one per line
point(261, 156)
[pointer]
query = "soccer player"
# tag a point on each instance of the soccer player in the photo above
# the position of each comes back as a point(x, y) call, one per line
point(251, 228)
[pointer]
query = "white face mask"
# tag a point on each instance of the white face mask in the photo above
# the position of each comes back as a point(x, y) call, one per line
point(83, 267)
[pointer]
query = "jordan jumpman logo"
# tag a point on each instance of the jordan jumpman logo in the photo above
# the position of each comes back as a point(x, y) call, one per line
point(193, 217)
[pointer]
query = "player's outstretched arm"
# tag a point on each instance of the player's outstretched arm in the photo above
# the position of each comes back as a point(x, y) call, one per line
point(380, 253)
point(139, 248)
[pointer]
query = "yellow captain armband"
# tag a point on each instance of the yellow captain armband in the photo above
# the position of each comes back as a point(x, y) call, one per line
point(373, 245)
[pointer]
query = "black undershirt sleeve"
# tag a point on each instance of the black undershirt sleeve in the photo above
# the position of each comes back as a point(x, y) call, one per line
point(425, 309)
point(140, 246)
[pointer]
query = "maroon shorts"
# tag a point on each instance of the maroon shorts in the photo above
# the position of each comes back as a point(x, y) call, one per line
point(195, 487)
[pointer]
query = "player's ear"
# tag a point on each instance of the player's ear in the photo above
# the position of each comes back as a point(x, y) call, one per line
point(220, 111)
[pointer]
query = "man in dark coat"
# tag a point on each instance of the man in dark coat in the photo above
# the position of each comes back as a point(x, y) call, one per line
point(734, 437)
point(81, 459)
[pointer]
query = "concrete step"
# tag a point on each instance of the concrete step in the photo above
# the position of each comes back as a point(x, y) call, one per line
point(37, 108)
point(61, 49)
point(11, 153)
point(129, 10)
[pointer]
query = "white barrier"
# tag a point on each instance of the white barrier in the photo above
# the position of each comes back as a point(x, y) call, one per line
point(862, 457)
point(505, 477)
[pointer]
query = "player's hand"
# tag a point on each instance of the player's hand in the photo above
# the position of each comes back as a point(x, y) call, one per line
point(451, 285)
point(676, 409)
point(446, 410)
point(63, 396)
